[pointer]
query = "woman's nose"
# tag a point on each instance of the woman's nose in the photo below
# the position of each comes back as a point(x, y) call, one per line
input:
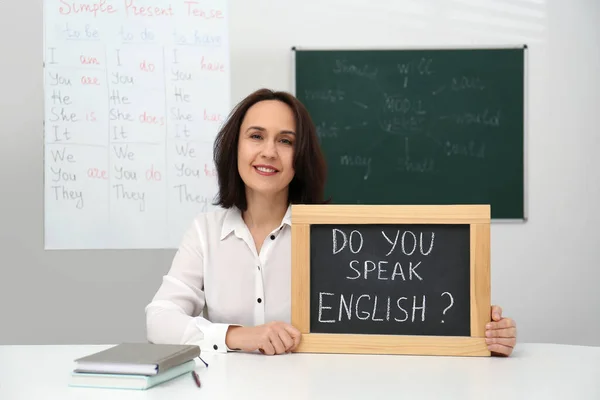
point(269, 150)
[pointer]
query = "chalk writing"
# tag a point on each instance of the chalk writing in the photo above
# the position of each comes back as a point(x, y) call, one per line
point(402, 115)
point(466, 83)
point(408, 164)
point(365, 71)
point(329, 95)
point(470, 149)
point(325, 130)
point(401, 104)
point(485, 118)
point(462, 111)
point(358, 160)
point(402, 124)
point(421, 67)
point(350, 306)
point(410, 237)
point(388, 278)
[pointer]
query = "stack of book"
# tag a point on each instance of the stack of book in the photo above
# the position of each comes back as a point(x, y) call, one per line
point(134, 366)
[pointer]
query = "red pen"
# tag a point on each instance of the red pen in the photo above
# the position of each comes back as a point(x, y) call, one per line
point(196, 378)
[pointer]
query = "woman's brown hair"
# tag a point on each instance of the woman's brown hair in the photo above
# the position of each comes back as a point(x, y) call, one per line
point(308, 184)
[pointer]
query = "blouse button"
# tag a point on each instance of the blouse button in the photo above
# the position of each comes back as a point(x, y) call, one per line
point(272, 237)
point(259, 300)
point(215, 347)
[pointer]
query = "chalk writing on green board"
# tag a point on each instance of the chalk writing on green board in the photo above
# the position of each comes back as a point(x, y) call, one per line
point(419, 126)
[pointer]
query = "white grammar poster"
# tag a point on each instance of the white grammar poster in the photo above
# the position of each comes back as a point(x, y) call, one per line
point(135, 92)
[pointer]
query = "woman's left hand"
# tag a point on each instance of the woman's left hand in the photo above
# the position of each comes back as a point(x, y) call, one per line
point(501, 334)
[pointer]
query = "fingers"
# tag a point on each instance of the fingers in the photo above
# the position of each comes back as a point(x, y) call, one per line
point(502, 324)
point(290, 336)
point(500, 350)
point(501, 333)
point(508, 342)
point(278, 338)
point(266, 347)
point(496, 313)
point(272, 341)
point(294, 334)
point(277, 343)
point(287, 340)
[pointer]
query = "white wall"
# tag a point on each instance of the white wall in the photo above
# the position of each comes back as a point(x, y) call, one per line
point(544, 272)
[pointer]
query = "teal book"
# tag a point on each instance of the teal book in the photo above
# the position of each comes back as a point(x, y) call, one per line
point(128, 381)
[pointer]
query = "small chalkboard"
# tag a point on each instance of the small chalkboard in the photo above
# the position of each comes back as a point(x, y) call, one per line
point(391, 279)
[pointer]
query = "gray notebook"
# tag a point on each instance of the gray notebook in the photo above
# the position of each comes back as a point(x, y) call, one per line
point(137, 358)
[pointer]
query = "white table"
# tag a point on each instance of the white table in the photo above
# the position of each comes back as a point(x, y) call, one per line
point(534, 371)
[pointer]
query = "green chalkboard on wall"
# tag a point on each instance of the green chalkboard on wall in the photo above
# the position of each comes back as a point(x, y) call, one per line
point(431, 126)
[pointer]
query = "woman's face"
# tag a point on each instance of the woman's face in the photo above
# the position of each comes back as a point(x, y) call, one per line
point(266, 147)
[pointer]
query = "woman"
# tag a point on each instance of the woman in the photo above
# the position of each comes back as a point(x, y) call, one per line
point(228, 287)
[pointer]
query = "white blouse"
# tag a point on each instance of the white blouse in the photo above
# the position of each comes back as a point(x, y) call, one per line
point(217, 279)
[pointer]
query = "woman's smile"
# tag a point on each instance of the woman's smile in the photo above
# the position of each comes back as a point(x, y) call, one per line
point(265, 170)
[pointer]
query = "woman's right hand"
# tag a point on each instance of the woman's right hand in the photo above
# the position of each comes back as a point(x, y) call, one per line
point(272, 338)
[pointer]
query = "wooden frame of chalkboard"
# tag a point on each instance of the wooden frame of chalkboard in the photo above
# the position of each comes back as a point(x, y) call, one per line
point(475, 219)
point(524, 201)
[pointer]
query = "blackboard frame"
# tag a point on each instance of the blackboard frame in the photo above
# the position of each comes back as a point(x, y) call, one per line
point(476, 216)
point(491, 46)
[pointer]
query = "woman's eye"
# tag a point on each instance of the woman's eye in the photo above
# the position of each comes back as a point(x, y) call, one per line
point(286, 141)
point(255, 136)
